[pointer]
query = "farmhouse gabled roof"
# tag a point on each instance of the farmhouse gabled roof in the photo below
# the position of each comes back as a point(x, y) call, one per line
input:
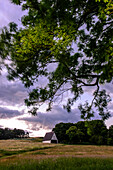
point(48, 136)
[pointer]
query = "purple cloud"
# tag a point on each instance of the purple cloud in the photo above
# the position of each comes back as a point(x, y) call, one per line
point(50, 119)
point(7, 113)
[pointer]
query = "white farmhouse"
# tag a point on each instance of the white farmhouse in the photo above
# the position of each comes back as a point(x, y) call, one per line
point(50, 137)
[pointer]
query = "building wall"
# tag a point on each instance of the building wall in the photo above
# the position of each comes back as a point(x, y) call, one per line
point(54, 137)
point(49, 141)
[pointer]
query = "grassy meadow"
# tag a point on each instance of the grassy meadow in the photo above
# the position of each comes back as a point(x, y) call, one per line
point(31, 154)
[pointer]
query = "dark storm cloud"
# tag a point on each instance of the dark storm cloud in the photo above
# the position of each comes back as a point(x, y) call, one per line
point(7, 113)
point(48, 120)
point(11, 93)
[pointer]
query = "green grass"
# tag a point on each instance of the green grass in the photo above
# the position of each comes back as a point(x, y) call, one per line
point(4, 153)
point(60, 164)
point(39, 153)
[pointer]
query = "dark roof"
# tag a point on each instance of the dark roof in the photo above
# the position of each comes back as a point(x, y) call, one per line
point(48, 136)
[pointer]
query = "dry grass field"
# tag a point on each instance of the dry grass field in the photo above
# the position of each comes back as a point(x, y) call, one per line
point(33, 149)
point(16, 151)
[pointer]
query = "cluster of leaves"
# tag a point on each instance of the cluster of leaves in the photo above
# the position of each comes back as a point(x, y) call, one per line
point(90, 132)
point(110, 135)
point(109, 8)
point(11, 134)
point(75, 37)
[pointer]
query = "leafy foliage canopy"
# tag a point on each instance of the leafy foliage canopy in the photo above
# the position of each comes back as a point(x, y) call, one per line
point(74, 38)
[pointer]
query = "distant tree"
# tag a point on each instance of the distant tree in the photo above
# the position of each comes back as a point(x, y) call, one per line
point(110, 135)
point(1, 133)
point(11, 134)
point(82, 126)
point(20, 133)
point(26, 135)
point(60, 131)
point(111, 131)
point(71, 132)
point(7, 133)
point(97, 131)
point(75, 135)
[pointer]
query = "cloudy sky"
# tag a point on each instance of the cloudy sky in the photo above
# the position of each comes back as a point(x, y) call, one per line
point(13, 112)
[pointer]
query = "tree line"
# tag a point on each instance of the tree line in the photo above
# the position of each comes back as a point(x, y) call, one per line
point(84, 132)
point(12, 133)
